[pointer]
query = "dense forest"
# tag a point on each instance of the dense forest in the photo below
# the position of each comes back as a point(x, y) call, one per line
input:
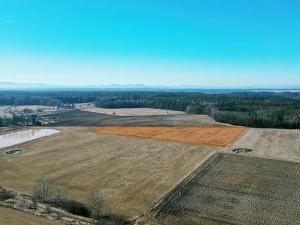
point(254, 109)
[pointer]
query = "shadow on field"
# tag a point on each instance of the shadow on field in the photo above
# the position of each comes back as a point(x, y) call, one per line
point(80, 209)
point(53, 194)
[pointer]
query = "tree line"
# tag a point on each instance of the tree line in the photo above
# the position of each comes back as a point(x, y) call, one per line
point(253, 109)
point(263, 109)
point(53, 194)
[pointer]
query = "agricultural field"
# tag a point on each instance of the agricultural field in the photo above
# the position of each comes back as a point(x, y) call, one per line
point(131, 174)
point(271, 143)
point(84, 118)
point(234, 189)
point(208, 136)
point(134, 111)
point(15, 217)
point(165, 163)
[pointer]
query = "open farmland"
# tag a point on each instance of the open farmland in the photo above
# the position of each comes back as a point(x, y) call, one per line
point(131, 174)
point(209, 136)
point(271, 143)
point(134, 111)
point(15, 217)
point(84, 118)
point(232, 189)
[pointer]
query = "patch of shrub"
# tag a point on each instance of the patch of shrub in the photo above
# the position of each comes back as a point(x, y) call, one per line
point(242, 150)
point(54, 195)
point(77, 208)
point(4, 196)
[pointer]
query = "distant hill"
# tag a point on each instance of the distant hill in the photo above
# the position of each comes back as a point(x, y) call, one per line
point(141, 87)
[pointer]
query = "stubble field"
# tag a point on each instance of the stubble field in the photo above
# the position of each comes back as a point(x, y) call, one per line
point(15, 217)
point(232, 189)
point(271, 143)
point(131, 174)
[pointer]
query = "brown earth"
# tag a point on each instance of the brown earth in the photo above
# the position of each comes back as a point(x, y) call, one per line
point(209, 136)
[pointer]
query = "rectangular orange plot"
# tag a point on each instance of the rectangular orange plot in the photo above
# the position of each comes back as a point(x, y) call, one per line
point(209, 136)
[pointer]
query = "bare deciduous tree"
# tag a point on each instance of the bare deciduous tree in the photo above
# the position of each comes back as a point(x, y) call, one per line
point(42, 191)
point(57, 195)
point(96, 203)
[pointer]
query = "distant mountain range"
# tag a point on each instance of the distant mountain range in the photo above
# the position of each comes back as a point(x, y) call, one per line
point(141, 87)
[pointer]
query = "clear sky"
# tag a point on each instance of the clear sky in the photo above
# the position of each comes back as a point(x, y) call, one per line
point(216, 43)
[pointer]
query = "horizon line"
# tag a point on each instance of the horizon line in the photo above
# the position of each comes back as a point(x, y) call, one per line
point(16, 86)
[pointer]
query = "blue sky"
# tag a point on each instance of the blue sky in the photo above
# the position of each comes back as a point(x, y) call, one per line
point(211, 43)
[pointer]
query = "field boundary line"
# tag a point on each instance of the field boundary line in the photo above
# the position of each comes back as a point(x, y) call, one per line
point(180, 184)
point(254, 155)
point(237, 138)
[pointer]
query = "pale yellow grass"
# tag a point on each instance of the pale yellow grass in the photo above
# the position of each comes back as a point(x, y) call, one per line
point(132, 174)
point(271, 143)
point(15, 217)
point(134, 111)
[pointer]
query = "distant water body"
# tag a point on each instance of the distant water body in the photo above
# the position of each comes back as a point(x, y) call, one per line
point(23, 136)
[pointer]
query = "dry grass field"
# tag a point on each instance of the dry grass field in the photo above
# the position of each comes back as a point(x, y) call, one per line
point(132, 174)
point(15, 217)
point(233, 189)
point(208, 136)
point(134, 111)
point(271, 143)
point(84, 118)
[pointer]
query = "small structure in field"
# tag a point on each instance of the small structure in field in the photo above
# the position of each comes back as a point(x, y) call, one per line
point(242, 150)
point(14, 151)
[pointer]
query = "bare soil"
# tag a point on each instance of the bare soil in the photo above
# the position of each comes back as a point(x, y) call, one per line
point(209, 136)
point(234, 189)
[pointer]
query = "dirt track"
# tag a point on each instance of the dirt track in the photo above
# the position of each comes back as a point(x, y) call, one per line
point(209, 136)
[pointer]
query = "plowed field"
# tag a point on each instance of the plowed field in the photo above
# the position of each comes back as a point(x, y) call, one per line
point(234, 190)
point(209, 136)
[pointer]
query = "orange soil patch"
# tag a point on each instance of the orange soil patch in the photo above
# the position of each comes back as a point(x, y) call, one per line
point(209, 136)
